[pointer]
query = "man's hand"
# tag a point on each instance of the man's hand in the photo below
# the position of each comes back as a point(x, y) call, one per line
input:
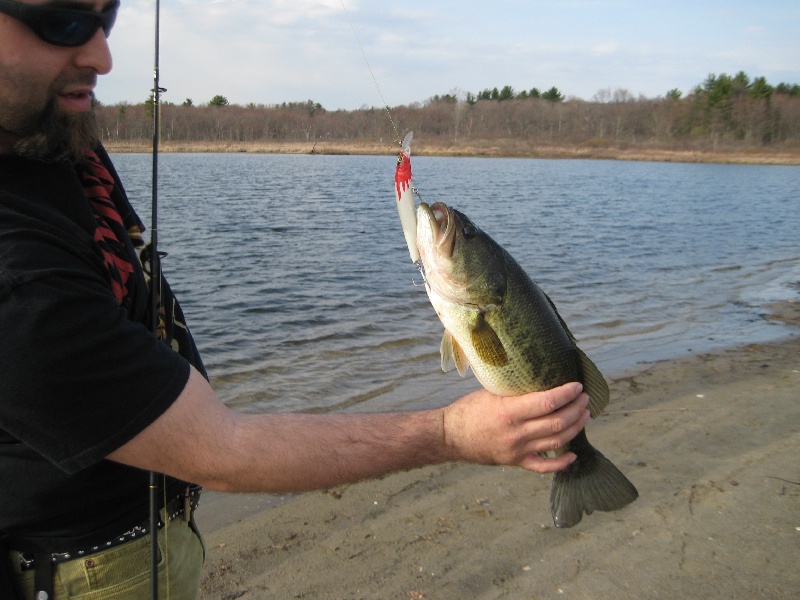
point(489, 429)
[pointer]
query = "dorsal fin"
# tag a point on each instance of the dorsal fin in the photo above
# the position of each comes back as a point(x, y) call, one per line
point(560, 320)
point(594, 383)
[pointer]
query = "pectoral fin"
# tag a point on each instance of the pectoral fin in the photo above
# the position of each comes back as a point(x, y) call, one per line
point(452, 355)
point(487, 344)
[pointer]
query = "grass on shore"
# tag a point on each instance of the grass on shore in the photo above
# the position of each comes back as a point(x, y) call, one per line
point(499, 148)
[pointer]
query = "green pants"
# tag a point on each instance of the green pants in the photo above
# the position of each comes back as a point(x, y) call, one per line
point(123, 572)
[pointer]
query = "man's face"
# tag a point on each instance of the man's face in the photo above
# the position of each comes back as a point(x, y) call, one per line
point(46, 90)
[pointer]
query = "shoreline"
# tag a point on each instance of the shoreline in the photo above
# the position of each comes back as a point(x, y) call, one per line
point(236, 507)
point(710, 439)
point(477, 148)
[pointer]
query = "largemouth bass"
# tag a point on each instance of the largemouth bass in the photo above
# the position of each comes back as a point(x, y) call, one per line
point(499, 322)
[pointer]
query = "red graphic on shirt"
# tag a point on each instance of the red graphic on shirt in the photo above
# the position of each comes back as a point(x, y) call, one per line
point(98, 184)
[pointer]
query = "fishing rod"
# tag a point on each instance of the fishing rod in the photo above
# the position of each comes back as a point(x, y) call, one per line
point(155, 293)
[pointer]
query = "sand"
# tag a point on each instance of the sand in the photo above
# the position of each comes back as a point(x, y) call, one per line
point(712, 442)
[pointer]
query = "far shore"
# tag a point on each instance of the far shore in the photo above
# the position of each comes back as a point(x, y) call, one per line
point(480, 148)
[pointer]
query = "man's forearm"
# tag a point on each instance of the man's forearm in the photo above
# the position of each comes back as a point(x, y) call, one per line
point(295, 452)
point(198, 439)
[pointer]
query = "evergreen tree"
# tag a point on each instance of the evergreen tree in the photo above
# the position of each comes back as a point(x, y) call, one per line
point(218, 101)
point(507, 93)
point(553, 95)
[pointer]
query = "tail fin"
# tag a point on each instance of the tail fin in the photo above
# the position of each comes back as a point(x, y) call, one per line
point(590, 483)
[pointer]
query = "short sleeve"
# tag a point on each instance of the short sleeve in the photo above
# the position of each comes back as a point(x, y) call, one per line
point(79, 378)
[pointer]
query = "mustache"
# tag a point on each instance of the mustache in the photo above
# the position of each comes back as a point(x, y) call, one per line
point(82, 78)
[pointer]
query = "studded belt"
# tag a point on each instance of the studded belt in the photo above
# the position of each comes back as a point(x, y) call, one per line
point(183, 505)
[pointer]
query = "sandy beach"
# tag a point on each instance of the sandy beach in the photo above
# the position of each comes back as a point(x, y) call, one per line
point(710, 440)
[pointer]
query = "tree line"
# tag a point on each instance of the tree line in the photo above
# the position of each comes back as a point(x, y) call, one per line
point(722, 112)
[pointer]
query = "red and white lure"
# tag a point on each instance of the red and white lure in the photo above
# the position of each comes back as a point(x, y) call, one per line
point(404, 191)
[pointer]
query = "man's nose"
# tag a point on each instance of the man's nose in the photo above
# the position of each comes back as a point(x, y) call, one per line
point(95, 54)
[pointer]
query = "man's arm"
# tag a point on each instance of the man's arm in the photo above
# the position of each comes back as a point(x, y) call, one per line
point(198, 439)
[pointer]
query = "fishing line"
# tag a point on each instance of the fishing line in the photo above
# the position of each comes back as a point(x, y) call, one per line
point(372, 74)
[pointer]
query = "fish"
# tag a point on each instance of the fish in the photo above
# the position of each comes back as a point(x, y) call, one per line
point(499, 323)
point(404, 193)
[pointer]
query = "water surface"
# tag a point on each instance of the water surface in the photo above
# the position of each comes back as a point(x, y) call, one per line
point(293, 271)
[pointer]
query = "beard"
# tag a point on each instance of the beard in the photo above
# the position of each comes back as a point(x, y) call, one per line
point(59, 137)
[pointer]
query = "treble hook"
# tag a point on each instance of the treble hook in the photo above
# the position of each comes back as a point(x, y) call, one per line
point(421, 268)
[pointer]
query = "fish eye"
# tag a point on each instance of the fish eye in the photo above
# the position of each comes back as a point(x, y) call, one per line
point(469, 230)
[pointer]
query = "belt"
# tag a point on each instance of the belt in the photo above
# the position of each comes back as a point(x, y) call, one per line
point(185, 504)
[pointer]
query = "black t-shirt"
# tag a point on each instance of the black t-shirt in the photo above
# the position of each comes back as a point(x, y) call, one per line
point(79, 375)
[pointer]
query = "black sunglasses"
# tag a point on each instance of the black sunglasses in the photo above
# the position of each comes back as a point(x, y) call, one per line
point(61, 26)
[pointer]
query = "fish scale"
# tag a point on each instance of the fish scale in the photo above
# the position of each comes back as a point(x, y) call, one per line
point(527, 371)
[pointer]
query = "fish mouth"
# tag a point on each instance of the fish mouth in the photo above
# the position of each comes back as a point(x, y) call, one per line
point(441, 220)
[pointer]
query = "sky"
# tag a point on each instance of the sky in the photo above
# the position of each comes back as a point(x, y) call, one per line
point(349, 54)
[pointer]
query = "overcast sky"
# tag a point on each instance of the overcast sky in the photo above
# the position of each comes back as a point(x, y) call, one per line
point(273, 51)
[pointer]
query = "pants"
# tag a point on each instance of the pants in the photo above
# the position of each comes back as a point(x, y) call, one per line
point(123, 572)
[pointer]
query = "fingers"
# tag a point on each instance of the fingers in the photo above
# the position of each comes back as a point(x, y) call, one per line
point(553, 430)
point(544, 403)
point(541, 464)
point(550, 415)
point(541, 404)
point(560, 426)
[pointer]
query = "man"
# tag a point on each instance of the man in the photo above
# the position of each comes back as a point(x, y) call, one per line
point(90, 399)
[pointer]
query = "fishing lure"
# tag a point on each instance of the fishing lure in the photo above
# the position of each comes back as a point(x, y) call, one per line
point(404, 191)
